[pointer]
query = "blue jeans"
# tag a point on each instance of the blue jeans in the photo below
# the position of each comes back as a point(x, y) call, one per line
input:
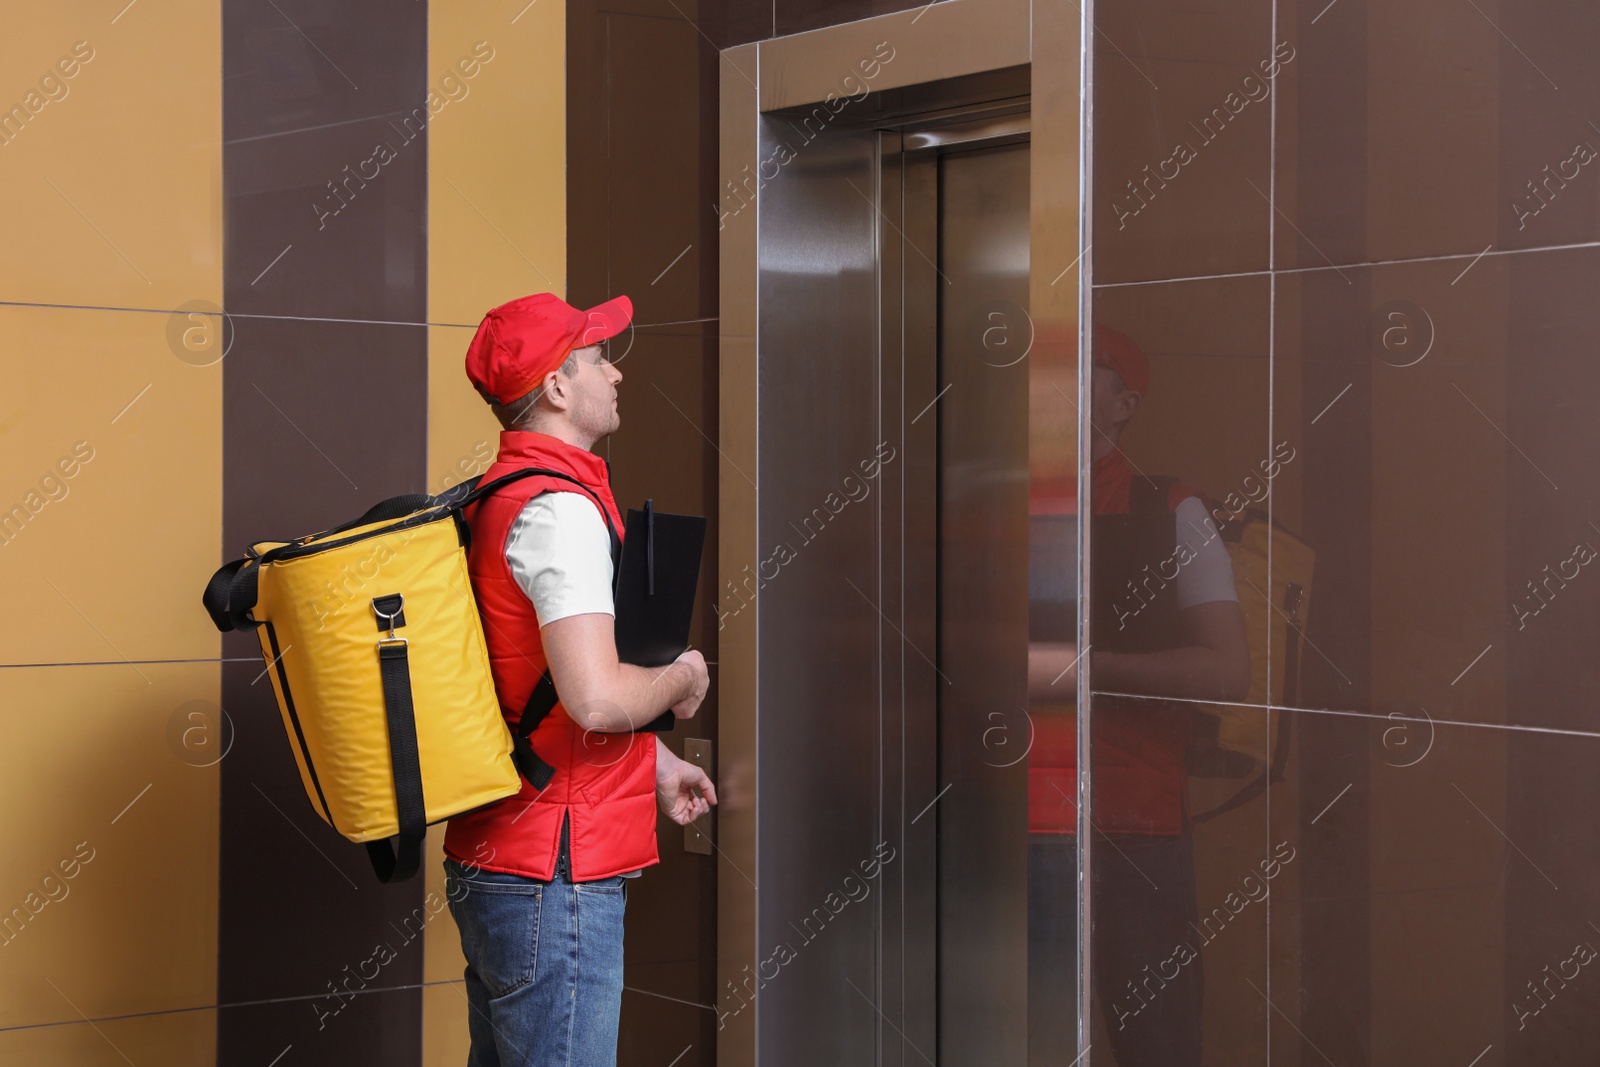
point(544, 966)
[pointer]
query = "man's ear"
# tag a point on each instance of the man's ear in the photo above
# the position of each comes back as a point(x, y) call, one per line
point(555, 391)
point(1127, 404)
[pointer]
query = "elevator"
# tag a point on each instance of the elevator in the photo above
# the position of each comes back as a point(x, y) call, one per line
point(888, 598)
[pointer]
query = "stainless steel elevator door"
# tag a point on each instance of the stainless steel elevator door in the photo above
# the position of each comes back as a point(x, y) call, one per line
point(891, 888)
point(984, 336)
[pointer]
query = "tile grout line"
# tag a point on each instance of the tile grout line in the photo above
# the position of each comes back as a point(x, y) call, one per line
point(1273, 272)
point(1270, 272)
point(1348, 713)
point(123, 663)
point(309, 318)
point(246, 1004)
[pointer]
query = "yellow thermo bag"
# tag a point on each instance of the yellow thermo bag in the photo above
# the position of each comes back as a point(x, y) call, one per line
point(375, 648)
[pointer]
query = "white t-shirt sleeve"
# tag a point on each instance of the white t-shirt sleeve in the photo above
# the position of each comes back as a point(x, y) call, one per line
point(1208, 576)
point(560, 554)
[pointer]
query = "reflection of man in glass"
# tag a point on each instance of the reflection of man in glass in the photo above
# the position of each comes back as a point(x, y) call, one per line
point(1153, 634)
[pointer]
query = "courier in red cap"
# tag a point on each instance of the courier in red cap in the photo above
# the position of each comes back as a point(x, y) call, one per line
point(535, 881)
point(521, 343)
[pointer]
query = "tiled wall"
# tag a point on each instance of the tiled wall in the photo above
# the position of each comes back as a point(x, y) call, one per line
point(384, 175)
point(1308, 272)
point(168, 894)
point(110, 477)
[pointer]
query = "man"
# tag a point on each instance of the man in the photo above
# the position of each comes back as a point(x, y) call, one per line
point(537, 881)
point(1183, 641)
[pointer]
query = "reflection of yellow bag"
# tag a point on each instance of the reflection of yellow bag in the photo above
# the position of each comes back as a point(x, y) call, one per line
point(1274, 620)
point(1246, 740)
point(376, 651)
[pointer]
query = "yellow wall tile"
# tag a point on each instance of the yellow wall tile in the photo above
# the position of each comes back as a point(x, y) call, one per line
point(445, 1040)
point(112, 177)
point(444, 961)
point(178, 1039)
point(112, 568)
point(497, 202)
point(496, 230)
point(109, 889)
point(463, 434)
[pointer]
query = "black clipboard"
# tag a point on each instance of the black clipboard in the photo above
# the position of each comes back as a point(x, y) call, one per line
point(656, 584)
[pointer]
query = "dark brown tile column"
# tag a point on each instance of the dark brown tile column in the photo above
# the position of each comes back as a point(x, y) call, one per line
point(325, 390)
point(641, 176)
point(1331, 78)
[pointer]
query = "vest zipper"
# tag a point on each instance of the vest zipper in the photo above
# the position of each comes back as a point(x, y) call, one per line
point(562, 850)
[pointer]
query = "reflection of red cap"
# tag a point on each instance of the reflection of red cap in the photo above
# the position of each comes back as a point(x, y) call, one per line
point(1115, 350)
point(520, 342)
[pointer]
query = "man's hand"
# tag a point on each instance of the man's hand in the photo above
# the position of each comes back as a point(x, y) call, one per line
point(695, 664)
point(676, 785)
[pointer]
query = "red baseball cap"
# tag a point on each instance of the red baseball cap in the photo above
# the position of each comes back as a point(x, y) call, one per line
point(520, 342)
point(1117, 351)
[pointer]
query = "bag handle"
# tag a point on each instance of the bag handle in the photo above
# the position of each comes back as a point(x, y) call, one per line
point(396, 507)
point(231, 593)
point(216, 596)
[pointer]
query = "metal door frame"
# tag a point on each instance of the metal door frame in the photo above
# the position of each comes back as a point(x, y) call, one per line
point(940, 41)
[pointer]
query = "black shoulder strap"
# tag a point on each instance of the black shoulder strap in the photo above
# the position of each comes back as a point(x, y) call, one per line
point(530, 763)
point(543, 699)
point(475, 492)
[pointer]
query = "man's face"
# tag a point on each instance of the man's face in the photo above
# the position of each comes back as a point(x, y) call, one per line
point(594, 392)
point(1103, 399)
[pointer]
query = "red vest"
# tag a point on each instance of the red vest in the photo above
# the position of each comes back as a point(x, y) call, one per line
point(603, 783)
point(1140, 773)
